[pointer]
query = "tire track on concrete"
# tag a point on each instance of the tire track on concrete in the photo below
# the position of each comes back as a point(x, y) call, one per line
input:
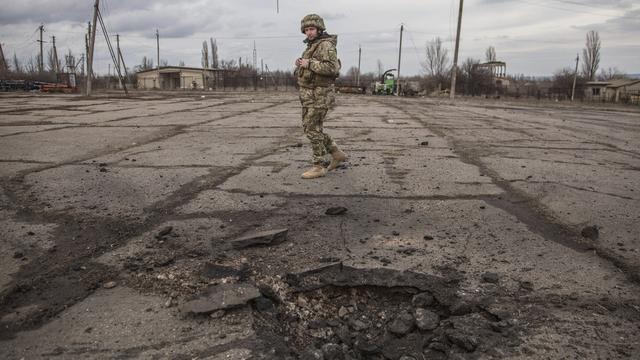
point(55, 277)
point(527, 209)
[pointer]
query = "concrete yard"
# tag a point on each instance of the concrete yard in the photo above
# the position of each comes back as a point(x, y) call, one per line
point(520, 220)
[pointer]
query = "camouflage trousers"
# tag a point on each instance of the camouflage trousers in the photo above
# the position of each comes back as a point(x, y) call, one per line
point(316, 103)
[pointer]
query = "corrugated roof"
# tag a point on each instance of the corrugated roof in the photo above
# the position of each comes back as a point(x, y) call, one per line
point(177, 68)
point(622, 82)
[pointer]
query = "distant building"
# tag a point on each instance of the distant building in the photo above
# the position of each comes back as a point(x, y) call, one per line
point(178, 77)
point(498, 70)
point(622, 90)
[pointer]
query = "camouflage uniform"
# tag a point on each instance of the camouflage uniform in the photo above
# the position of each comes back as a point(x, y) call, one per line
point(317, 91)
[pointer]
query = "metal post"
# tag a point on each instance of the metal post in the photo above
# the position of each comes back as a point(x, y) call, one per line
point(158, 57)
point(118, 56)
point(399, 61)
point(41, 62)
point(56, 65)
point(92, 46)
point(454, 69)
point(359, 58)
point(575, 77)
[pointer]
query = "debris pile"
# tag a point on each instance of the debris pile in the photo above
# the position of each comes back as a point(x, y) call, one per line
point(340, 312)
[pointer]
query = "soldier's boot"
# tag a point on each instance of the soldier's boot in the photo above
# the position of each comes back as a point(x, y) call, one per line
point(337, 156)
point(315, 172)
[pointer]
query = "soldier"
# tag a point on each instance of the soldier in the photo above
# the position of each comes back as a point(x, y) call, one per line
point(316, 71)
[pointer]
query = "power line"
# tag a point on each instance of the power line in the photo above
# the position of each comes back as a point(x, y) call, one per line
point(569, 10)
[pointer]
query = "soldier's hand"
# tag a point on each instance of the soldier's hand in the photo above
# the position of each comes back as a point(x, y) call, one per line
point(304, 63)
point(298, 61)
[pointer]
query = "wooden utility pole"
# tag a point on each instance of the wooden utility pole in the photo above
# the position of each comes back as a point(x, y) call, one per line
point(56, 64)
point(255, 56)
point(158, 55)
point(359, 58)
point(454, 69)
point(399, 61)
point(41, 62)
point(575, 77)
point(3, 62)
point(86, 47)
point(118, 56)
point(92, 43)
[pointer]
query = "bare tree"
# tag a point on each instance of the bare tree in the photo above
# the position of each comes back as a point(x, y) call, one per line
point(70, 61)
point(562, 83)
point(146, 64)
point(490, 54)
point(33, 66)
point(53, 63)
point(17, 68)
point(591, 55)
point(474, 80)
point(164, 62)
point(611, 74)
point(437, 65)
point(205, 55)
point(228, 64)
point(181, 63)
point(380, 68)
point(214, 53)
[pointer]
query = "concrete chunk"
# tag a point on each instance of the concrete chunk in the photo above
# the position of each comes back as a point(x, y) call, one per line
point(269, 237)
point(218, 297)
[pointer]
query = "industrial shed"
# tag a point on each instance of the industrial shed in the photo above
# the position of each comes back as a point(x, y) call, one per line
point(622, 90)
point(178, 77)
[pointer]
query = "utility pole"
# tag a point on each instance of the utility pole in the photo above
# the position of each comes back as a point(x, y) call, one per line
point(3, 61)
point(399, 60)
point(92, 43)
point(41, 62)
point(158, 53)
point(118, 56)
point(86, 46)
point(454, 69)
point(255, 56)
point(575, 77)
point(56, 64)
point(359, 58)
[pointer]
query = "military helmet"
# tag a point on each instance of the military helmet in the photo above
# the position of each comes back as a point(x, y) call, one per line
point(312, 20)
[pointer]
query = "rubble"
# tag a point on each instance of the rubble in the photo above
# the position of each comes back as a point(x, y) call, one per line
point(220, 297)
point(347, 276)
point(110, 285)
point(403, 324)
point(426, 319)
point(269, 237)
point(590, 232)
point(336, 210)
point(490, 277)
point(164, 232)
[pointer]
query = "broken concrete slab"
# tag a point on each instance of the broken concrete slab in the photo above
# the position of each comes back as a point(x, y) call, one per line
point(338, 210)
point(217, 271)
point(220, 297)
point(267, 237)
point(346, 276)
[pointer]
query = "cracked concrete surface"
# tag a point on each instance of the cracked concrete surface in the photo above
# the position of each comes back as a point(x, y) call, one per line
point(472, 187)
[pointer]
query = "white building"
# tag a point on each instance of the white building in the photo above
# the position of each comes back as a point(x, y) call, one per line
point(179, 77)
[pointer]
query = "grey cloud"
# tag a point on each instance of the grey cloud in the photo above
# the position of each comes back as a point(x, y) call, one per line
point(628, 23)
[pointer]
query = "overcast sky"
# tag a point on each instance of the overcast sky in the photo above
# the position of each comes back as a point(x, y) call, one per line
point(534, 37)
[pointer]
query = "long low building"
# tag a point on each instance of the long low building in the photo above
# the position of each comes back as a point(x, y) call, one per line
point(621, 90)
point(178, 77)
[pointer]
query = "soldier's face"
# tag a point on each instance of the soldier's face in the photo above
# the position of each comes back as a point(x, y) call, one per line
point(311, 32)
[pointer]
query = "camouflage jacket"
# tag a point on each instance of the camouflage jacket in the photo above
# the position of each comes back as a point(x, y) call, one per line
point(324, 66)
